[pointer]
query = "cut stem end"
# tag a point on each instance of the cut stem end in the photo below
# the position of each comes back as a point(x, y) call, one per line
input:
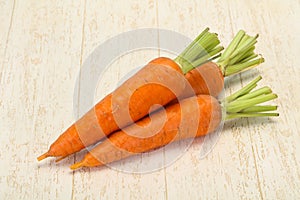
point(239, 56)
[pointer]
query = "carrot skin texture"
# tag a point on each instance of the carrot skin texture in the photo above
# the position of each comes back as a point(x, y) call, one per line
point(154, 80)
point(99, 121)
point(121, 145)
point(205, 79)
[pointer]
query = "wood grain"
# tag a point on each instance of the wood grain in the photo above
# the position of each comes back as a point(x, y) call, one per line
point(113, 19)
point(43, 46)
point(42, 60)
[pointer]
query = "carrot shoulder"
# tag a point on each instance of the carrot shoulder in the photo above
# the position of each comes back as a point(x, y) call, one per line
point(237, 57)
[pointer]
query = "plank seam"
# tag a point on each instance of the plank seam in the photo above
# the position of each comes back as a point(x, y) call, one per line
point(78, 99)
point(8, 33)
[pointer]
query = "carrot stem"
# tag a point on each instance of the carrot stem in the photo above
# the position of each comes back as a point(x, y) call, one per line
point(259, 109)
point(244, 90)
point(233, 45)
point(234, 69)
point(240, 115)
point(195, 41)
point(208, 56)
point(239, 105)
point(263, 90)
point(239, 55)
point(244, 103)
point(201, 50)
point(244, 47)
point(242, 56)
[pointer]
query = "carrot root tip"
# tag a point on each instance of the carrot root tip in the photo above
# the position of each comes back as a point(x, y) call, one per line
point(77, 165)
point(42, 157)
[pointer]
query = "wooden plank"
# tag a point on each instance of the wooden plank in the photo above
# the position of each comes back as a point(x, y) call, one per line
point(6, 16)
point(41, 63)
point(43, 45)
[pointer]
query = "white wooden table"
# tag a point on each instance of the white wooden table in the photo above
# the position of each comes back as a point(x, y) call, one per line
point(43, 45)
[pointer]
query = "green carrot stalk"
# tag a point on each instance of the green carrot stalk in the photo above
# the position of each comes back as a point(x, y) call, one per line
point(245, 102)
point(237, 57)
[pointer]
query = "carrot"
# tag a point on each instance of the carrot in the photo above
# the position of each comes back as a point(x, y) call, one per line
point(162, 78)
point(208, 78)
point(205, 110)
point(157, 78)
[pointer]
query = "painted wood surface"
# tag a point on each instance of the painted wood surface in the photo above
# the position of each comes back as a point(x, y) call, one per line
point(43, 46)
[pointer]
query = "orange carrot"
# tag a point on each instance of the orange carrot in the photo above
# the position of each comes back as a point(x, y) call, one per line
point(100, 120)
point(205, 110)
point(206, 79)
point(159, 82)
point(121, 145)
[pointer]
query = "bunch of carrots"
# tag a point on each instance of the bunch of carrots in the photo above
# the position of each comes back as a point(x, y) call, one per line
point(187, 86)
